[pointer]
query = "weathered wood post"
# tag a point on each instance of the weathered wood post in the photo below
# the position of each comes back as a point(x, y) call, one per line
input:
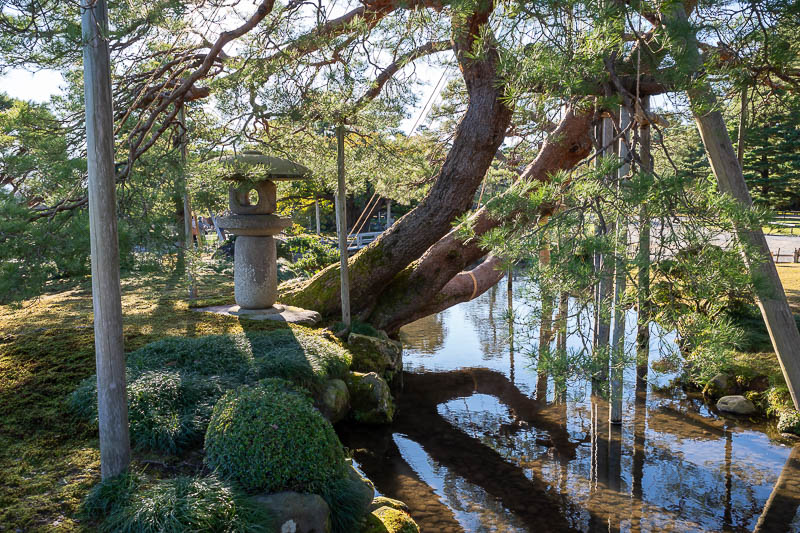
point(112, 402)
point(643, 260)
point(316, 212)
point(620, 252)
point(724, 164)
point(341, 222)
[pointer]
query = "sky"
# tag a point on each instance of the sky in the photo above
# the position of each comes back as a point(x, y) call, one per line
point(40, 86)
point(24, 85)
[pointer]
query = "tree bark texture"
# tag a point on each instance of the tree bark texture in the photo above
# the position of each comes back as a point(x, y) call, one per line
point(112, 401)
point(400, 302)
point(477, 138)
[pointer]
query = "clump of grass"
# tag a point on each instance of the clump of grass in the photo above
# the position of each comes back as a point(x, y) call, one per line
point(168, 410)
point(269, 437)
point(348, 504)
point(174, 383)
point(123, 504)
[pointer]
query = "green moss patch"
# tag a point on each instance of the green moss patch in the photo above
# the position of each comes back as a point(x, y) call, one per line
point(269, 437)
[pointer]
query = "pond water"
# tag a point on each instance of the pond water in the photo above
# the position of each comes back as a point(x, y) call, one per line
point(481, 442)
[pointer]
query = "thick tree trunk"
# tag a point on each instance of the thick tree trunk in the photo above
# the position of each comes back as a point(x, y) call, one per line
point(725, 165)
point(477, 138)
point(407, 297)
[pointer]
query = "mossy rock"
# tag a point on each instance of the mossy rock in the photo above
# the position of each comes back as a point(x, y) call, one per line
point(270, 438)
point(370, 398)
point(388, 520)
point(383, 501)
point(789, 422)
point(376, 354)
point(334, 400)
point(718, 386)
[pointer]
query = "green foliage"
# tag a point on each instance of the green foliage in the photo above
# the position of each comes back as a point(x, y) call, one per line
point(173, 383)
point(346, 499)
point(789, 422)
point(269, 437)
point(168, 410)
point(308, 253)
point(123, 504)
point(111, 494)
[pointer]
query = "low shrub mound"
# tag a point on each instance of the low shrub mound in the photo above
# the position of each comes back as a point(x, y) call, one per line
point(167, 410)
point(174, 505)
point(174, 383)
point(268, 437)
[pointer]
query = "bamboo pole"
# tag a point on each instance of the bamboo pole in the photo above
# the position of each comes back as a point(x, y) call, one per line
point(342, 226)
point(112, 402)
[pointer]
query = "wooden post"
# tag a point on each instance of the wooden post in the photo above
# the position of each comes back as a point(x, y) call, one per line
point(341, 222)
point(643, 260)
point(620, 250)
point(388, 213)
point(797, 255)
point(725, 166)
point(112, 401)
point(316, 211)
point(742, 126)
point(187, 209)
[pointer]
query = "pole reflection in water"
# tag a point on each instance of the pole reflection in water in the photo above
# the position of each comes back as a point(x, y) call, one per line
point(473, 448)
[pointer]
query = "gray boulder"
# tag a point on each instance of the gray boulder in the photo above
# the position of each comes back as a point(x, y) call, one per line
point(372, 354)
point(370, 398)
point(718, 386)
point(334, 402)
point(738, 405)
point(297, 513)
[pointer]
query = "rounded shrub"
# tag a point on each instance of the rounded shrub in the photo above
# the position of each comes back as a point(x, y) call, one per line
point(269, 437)
point(789, 422)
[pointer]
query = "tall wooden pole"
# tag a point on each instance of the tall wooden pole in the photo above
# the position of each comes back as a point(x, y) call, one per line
point(643, 260)
point(316, 212)
point(112, 402)
point(620, 250)
point(187, 209)
point(341, 222)
point(726, 168)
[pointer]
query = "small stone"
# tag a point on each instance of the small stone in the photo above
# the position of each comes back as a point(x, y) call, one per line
point(370, 398)
point(383, 501)
point(388, 520)
point(372, 354)
point(335, 400)
point(738, 405)
point(717, 386)
point(297, 513)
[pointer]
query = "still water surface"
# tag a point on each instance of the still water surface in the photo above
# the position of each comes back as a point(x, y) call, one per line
point(482, 442)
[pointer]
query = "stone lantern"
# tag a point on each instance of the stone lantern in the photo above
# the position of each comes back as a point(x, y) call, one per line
point(252, 200)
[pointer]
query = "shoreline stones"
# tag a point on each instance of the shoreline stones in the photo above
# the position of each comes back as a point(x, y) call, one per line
point(373, 354)
point(334, 402)
point(738, 405)
point(297, 513)
point(387, 519)
point(370, 398)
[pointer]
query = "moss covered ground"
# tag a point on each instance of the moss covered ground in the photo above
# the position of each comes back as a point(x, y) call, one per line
point(49, 458)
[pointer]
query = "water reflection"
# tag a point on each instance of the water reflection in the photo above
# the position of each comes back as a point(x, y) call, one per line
point(483, 441)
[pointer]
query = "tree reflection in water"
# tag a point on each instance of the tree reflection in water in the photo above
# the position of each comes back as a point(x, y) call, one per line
point(474, 450)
